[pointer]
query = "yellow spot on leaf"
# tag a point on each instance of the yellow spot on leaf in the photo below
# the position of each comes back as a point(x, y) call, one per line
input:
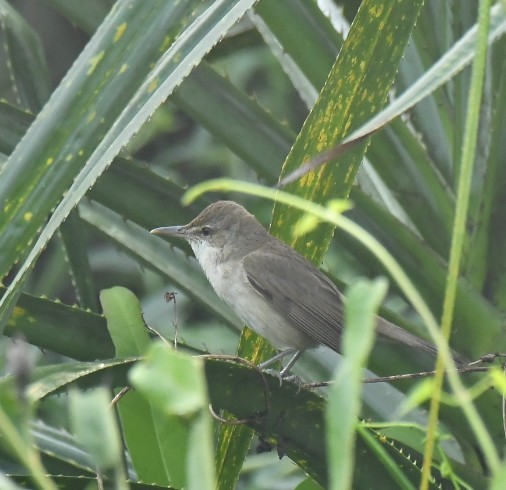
point(28, 216)
point(18, 312)
point(94, 62)
point(120, 30)
point(69, 157)
point(152, 86)
point(91, 116)
point(49, 161)
point(124, 68)
point(80, 153)
point(167, 41)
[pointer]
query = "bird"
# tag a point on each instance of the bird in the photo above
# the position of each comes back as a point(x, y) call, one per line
point(270, 286)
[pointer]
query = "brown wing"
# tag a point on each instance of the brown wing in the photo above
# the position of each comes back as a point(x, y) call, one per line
point(298, 291)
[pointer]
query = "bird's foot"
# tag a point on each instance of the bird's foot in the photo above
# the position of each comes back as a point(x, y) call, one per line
point(292, 378)
point(274, 373)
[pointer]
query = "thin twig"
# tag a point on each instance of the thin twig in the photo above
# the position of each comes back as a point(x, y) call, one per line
point(470, 368)
point(119, 395)
point(215, 416)
point(154, 331)
point(171, 296)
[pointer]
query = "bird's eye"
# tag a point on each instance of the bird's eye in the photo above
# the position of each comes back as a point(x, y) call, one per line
point(206, 231)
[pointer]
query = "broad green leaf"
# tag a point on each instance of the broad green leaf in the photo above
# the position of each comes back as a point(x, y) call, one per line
point(55, 378)
point(181, 390)
point(75, 244)
point(95, 427)
point(124, 321)
point(144, 430)
point(354, 91)
point(64, 329)
point(174, 383)
point(233, 441)
point(343, 408)
point(500, 478)
point(293, 423)
point(308, 484)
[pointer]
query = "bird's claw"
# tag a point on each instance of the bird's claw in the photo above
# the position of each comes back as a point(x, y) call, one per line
point(291, 379)
point(276, 374)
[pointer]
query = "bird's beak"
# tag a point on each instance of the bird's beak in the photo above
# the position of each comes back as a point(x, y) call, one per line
point(175, 231)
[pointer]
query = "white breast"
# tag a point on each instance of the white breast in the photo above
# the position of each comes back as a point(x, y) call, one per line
point(229, 281)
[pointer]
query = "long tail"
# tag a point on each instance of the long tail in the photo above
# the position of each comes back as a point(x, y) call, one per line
point(398, 334)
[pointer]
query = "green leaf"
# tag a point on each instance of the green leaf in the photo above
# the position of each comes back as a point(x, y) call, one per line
point(75, 245)
point(48, 380)
point(343, 408)
point(143, 428)
point(234, 441)
point(174, 383)
point(292, 421)
point(95, 427)
point(27, 64)
point(499, 479)
point(124, 321)
point(356, 89)
point(60, 328)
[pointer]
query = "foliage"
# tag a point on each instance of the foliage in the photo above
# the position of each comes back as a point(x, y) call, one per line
point(108, 113)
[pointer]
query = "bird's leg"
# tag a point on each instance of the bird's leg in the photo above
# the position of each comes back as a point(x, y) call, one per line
point(277, 357)
point(291, 362)
point(284, 372)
